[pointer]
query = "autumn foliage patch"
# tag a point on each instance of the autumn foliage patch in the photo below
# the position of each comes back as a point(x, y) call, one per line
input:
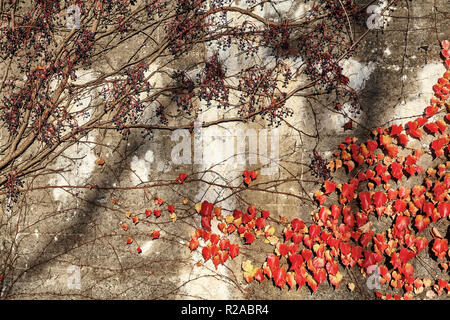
point(343, 234)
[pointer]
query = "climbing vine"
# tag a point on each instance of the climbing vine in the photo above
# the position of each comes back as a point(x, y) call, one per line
point(371, 221)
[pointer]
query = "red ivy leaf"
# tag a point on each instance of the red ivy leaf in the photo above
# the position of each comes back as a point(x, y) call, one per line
point(193, 244)
point(396, 130)
point(259, 276)
point(438, 144)
point(320, 275)
point(260, 223)
point(406, 255)
point(421, 222)
point(440, 247)
point(400, 206)
point(413, 130)
point(155, 234)
point(402, 223)
point(444, 209)
point(273, 262)
point(279, 277)
point(297, 225)
point(372, 145)
point(397, 170)
point(392, 150)
point(314, 231)
point(380, 199)
point(206, 222)
point(249, 237)
point(365, 200)
point(233, 250)
point(181, 177)
point(432, 127)
point(329, 187)
point(431, 111)
point(421, 243)
point(206, 252)
point(296, 261)
point(306, 254)
point(402, 139)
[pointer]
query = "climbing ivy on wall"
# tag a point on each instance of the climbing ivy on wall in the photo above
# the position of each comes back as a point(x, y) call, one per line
point(372, 221)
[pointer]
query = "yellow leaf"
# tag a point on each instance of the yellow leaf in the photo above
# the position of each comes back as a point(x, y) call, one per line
point(316, 247)
point(247, 266)
point(418, 290)
point(229, 219)
point(237, 222)
point(338, 277)
point(248, 277)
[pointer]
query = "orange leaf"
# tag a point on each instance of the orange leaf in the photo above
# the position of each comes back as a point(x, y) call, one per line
point(155, 234)
point(193, 244)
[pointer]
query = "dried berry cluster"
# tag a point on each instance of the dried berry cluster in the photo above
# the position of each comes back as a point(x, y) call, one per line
point(186, 26)
point(244, 35)
point(83, 47)
point(154, 8)
point(13, 185)
point(212, 82)
point(319, 167)
point(124, 98)
point(183, 93)
point(277, 37)
point(261, 94)
point(321, 49)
